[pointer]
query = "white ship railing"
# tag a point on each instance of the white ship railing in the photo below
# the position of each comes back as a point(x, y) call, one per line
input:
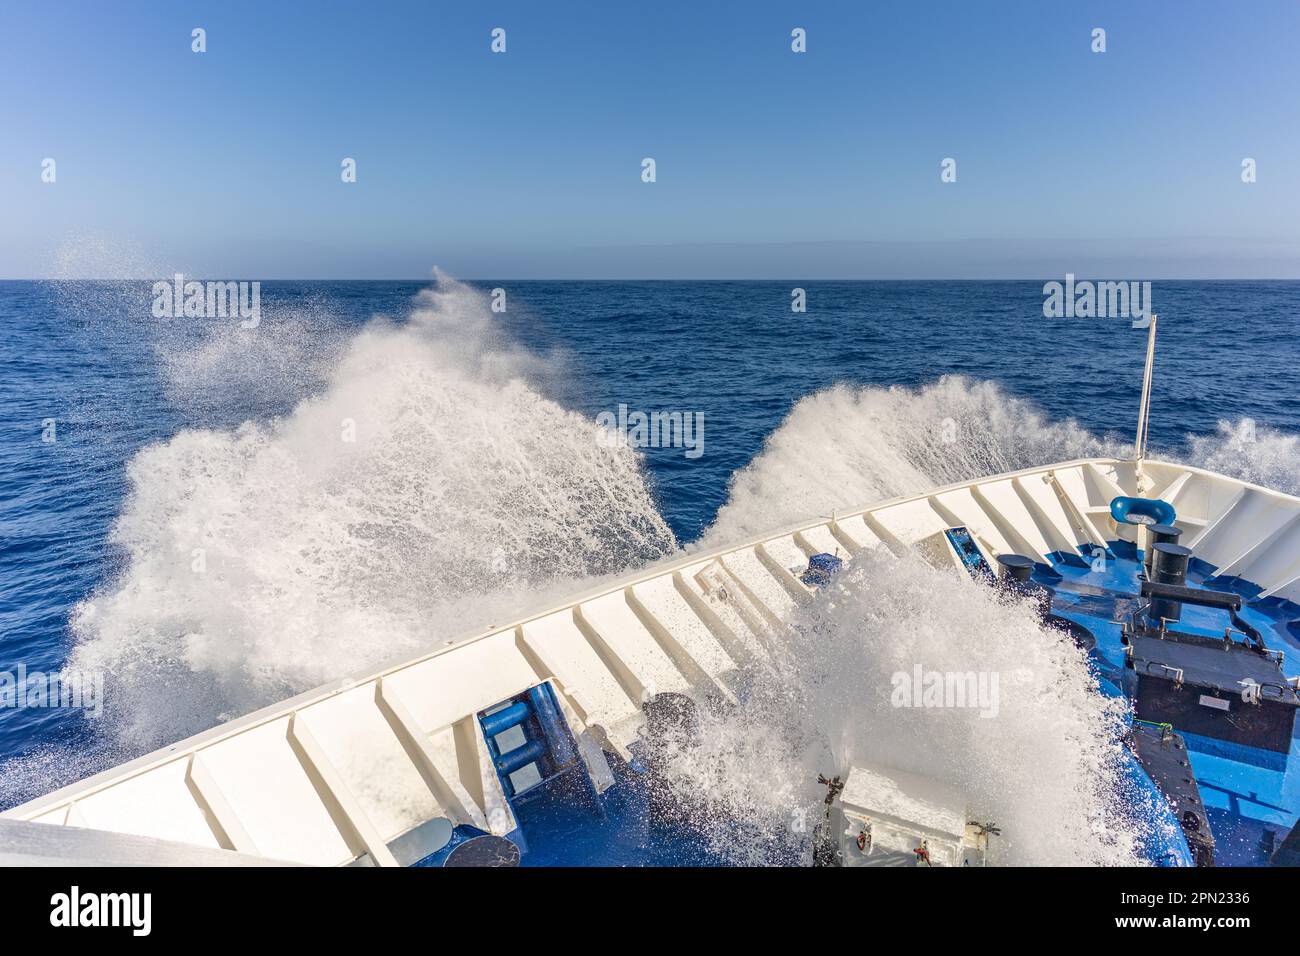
point(349, 771)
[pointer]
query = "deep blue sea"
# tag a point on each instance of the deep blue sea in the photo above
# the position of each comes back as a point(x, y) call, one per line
point(180, 500)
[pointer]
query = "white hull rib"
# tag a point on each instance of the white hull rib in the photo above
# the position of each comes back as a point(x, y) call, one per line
point(341, 773)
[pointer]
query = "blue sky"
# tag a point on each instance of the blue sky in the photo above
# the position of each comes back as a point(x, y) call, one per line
point(769, 163)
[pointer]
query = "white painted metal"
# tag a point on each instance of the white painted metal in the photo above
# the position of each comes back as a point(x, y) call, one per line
point(34, 844)
point(900, 812)
point(1144, 412)
point(339, 774)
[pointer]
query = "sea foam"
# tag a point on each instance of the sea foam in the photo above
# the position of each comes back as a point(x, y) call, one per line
point(427, 488)
point(1045, 765)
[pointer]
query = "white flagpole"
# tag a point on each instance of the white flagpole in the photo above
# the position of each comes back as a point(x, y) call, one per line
point(1144, 410)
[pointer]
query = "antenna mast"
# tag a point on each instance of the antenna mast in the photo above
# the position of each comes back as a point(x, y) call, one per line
point(1144, 410)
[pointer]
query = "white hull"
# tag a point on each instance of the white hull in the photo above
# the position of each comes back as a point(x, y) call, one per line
point(342, 772)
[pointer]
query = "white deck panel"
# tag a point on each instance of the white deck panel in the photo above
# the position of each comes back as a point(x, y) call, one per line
point(856, 529)
point(566, 653)
point(823, 541)
point(154, 804)
point(747, 633)
point(659, 596)
point(443, 689)
point(746, 567)
point(627, 639)
point(274, 800)
point(1100, 483)
point(972, 515)
point(1288, 588)
point(1275, 565)
point(1055, 526)
point(362, 747)
point(1253, 515)
point(910, 521)
point(787, 553)
point(1014, 520)
point(906, 799)
point(1075, 486)
point(1203, 498)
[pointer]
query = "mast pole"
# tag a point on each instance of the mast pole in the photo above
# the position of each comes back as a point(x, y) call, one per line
point(1144, 409)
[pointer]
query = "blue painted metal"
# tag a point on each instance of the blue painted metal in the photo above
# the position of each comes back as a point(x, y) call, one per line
point(563, 831)
point(548, 746)
point(502, 720)
point(531, 752)
point(1237, 753)
point(820, 568)
point(460, 836)
point(1158, 511)
point(972, 558)
point(484, 851)
point(1124, 550)
point(547, 741)
point(559, 742)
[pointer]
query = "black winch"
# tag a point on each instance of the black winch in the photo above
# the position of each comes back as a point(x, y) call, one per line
point(1015, 574)
point(1169, 564)
point(1159, 534)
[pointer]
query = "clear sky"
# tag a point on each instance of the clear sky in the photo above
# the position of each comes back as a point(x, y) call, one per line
point(226, 164)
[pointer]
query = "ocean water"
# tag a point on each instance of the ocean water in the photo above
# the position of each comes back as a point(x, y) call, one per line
point(216, 517)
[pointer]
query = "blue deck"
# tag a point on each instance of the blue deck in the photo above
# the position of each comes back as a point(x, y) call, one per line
point(1251, 796)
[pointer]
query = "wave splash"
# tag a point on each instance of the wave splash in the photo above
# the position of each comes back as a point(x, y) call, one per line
point(846, 447)
point(1043, 763)
point(427, 487)
point(1261, 455)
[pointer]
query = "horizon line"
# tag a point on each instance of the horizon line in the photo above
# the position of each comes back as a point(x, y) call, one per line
point(1083, 276)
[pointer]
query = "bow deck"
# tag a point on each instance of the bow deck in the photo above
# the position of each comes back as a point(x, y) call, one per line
point(393, 767)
